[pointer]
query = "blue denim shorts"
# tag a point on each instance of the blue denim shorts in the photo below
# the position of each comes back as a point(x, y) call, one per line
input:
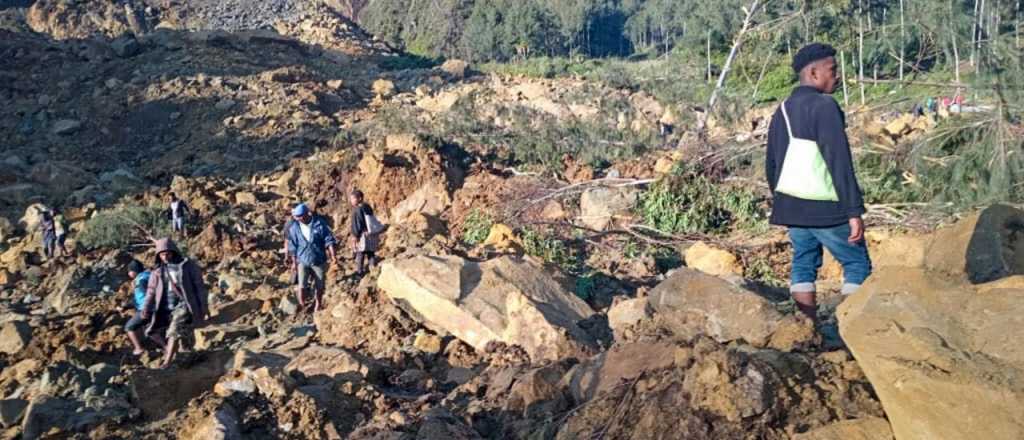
point(808, 244)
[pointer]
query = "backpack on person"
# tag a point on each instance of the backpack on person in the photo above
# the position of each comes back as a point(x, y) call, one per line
point(804, 173)
point(373, 225)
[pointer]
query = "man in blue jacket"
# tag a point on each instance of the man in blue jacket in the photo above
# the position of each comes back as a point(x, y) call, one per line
point(310, 249)
point(816, 195)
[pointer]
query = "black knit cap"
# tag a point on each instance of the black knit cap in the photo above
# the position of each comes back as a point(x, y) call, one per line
point(136, 266)
point(811, 53)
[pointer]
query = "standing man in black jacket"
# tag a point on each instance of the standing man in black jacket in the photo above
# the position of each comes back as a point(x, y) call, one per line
point(810, 171)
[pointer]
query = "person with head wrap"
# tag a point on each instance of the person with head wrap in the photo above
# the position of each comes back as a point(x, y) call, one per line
point(809, 168)
point(176, 284)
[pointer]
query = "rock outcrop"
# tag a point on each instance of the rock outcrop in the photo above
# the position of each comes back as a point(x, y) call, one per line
point(506, 300)
point(982, 247)
point(871, 428)
point(944, 358)
point(599, 207)
point(691, 302)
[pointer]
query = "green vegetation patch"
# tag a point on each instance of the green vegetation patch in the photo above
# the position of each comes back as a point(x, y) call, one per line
point(123, 226)
point(688, 202)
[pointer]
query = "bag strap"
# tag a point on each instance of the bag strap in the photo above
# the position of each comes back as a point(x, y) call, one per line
point(785, 116)
point(174, 285)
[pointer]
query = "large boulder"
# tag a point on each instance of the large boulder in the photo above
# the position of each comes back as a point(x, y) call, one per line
point(158, 392)
point(599, 207)
point(507, 299)
point(11, 411)
point(944, 358)
point(221, 424)
point(15, 336)
point(456, 68)
point(46, 414)
point(713, 261)
point(626, 313)
point(982, 247)
point(333, 363)
point(7, 229)
point(690, 302)
point(431, 199)
point(869, 428)
point(620, 363)
point(33, 216)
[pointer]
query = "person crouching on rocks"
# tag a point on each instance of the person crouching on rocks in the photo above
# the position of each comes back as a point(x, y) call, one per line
point(177, 285)
point(364, 241)
point(140, 281)
point(311, 246)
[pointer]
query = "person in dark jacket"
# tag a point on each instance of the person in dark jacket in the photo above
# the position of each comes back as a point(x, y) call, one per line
point(49, 227)
point(176, 285)
point(364, 244)
point(816, 194)
point(310, 249)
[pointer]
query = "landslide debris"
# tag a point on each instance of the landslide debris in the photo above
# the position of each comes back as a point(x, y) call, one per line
point(448, 339)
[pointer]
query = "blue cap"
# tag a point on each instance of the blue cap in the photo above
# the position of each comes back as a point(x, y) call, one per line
point(300, 210)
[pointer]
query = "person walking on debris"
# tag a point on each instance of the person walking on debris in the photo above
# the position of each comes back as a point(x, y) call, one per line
point(140, 282)
point(61, 233)
point(177, 285)
point(366, 231)
point(177, 212)
point(310, 248)
point(809, 168)
point(49, 227)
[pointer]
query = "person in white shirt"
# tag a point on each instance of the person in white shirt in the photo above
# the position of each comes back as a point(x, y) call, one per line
point(178, 212)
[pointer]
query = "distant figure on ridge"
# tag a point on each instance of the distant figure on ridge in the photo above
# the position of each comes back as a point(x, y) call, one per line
point(60, 232)
point(365, 237)
point(176, 285)
point(810, 172)
point(48, 226)
point(311, 249)
point(178, 212)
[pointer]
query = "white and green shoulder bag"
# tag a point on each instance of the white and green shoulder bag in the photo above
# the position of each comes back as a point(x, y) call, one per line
point(804, 173)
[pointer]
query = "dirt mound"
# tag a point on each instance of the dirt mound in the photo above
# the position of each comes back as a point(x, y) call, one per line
point(64, 19)
point(718, 392)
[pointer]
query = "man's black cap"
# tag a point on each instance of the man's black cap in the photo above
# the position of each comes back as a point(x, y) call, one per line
point(811, 53)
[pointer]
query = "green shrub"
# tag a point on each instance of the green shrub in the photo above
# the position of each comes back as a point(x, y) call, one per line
point(407, 61)
point(561, 253)
point(123, 226)
point(760, 270)
point(777, 83)
point(476, 227)
point(688, 202)
point(550, 249)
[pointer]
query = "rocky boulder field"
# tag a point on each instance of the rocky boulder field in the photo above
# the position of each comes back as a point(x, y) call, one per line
point(244, 113)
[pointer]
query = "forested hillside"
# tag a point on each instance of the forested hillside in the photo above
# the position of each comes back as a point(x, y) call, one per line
point(894, 54)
